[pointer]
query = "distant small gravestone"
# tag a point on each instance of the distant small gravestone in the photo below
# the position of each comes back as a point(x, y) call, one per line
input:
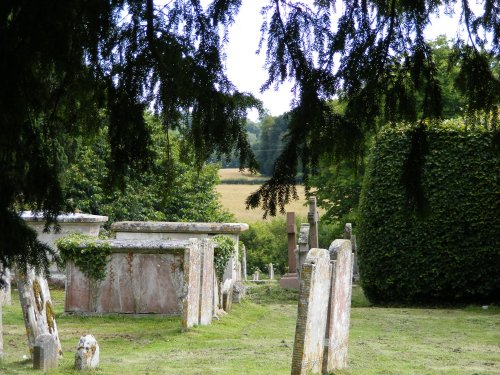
point(255, 276)
point(45, 352)
point(87, 353)
point(271, 271)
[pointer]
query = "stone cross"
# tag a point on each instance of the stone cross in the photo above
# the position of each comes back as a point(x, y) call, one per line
point(243, 262)
point(38, 312)
point(312, 313)
point(313, 218)
point(45, 353)
point(87, 353)
point(292, 245)
point(271, 271)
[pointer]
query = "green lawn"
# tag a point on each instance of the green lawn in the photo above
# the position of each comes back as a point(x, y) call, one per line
point(257, 338)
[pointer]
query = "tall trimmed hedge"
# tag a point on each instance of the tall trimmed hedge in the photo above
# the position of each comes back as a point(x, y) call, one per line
point(447, 248)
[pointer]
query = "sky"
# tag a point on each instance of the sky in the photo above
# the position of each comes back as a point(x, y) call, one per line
point(246, 69)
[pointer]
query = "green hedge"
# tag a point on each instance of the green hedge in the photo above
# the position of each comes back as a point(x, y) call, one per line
point(448, 252)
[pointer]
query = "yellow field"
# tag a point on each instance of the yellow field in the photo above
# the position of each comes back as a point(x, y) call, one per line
point(235, 174)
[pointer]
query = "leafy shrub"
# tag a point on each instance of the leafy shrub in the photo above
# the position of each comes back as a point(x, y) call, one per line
point(265, 243)
point(436, 241)
point(222, 253)
point(88, 255)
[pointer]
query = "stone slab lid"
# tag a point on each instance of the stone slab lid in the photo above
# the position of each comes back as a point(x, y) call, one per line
point(65, 218)
point(147, 246)
point(177, 227)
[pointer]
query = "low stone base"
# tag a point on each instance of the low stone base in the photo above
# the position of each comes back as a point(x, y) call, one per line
point(290, 281)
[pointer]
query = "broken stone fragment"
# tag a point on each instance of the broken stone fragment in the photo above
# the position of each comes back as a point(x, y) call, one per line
point(87, 353)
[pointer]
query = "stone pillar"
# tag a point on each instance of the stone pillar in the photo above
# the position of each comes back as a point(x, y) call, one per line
point(243, 262)
point(290, 280)
point(303, 247)
point(45, 353)
point(206, 281)
point(6, 292)
point(355, 268)
point(313, 217)
point(271, 271)
point(36, 304)
point(192, 271)
point(312, 313)
point(339, 310)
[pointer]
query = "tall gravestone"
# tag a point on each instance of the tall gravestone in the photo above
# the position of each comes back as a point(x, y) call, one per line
point(303, 247)
point(312, 313)
point(38, 311)
point(339, 311)
point(206, 281)
point(290, 279)
point(270, 269)
point(313, 217)
point(244, 262)
point(5, 292)
point(192, 271)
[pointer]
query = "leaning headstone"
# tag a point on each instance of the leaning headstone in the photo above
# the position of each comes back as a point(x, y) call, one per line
point(38, 313)
point(312, 313)
point(45, 353)
point(206, 281)
point(243, 262)
point(271, 271)
point(339, 311)
point(87, 353)
point(192, 272)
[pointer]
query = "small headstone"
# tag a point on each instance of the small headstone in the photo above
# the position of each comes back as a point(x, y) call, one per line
point(239, 292)
point(255, 276)
point(271, 271)
point(87, 353)
point(348, 231)
point(45, 352)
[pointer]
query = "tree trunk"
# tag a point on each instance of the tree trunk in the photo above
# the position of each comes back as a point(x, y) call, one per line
point(38, 312)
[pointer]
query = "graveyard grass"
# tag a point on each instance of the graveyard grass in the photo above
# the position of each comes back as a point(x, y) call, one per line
point(257, 338)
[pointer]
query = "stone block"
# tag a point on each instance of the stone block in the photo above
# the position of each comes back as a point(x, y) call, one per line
point(45, 352)
point(339, 311)
point(87, 353)
point(312, 313)
point(239, 292)
point(290, 281)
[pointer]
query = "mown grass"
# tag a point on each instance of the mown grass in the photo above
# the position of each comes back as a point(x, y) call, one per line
point(257, 338)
